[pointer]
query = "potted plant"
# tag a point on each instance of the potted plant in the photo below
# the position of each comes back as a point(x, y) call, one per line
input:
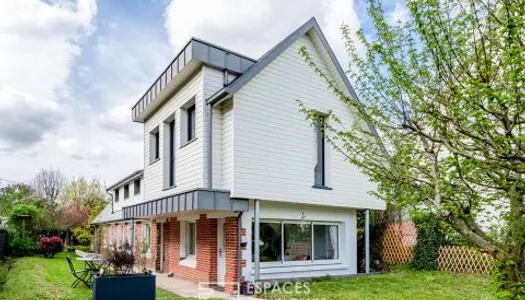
point(124, 279)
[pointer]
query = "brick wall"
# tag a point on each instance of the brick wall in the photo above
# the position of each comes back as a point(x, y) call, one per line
point(231, 238)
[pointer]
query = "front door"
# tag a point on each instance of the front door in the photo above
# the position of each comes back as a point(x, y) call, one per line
point(221, 253)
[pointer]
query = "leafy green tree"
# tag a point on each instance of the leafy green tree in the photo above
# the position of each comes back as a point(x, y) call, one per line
point(25, 217)
point(15, 194)
point(445, 91)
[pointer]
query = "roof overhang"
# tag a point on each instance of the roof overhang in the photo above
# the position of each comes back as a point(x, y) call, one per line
point(132, 176)
point(196, 53)
point(192, 200)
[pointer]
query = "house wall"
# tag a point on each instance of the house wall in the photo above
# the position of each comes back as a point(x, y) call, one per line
point(133, 199)
point(274, 146)
point(189, 159)
point(222, 150)
point(344, 217)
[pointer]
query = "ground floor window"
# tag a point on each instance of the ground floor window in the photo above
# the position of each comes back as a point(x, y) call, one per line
point(283, 241)
point(146, 236)
point(191, 237)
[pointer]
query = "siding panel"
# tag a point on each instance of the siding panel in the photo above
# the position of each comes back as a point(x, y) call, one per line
point(274, 146)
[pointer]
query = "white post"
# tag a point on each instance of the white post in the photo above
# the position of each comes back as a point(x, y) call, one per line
point(367, 241)
point(256, 238)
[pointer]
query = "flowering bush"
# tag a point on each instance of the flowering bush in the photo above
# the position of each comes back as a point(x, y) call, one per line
point(50, 245)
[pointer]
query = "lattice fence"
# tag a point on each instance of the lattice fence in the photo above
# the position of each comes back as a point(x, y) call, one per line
point(464, 260)
point(399, 240)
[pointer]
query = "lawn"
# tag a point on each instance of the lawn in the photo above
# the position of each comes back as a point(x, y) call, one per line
point(399, 285)
point(41, 278)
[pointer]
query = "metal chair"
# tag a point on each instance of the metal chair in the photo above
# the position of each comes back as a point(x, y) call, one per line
point(80, 275)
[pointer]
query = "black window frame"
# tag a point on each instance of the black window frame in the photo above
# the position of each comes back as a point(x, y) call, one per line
point(116, 195)
point(190, 125)
point(126, 191)
point(136, 186)
point(157, 144)
point(171, 153)
point(320, 167)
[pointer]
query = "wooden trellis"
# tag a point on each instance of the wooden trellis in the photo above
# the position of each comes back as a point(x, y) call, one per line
point(398, 243)
point(464, 260)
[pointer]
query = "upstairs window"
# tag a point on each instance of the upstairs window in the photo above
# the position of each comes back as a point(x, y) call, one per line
point(188, 122)
point(126, 191)
point(117, 195)
point(320, 167)
point(154, 141)
point(169, 153)
point(136, 186)
point(191, 122)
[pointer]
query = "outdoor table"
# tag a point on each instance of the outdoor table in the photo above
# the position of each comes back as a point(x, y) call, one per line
point(94, 264)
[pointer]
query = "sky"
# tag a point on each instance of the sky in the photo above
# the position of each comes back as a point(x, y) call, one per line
point(70, 70)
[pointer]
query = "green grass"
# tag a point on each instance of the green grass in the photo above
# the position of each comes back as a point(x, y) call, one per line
point(399, 285)
point(41, 278)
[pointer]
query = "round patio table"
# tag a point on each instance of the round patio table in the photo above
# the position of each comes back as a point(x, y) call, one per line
point(94, 264)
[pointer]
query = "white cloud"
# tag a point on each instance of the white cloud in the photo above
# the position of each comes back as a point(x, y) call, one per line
point(253, 27)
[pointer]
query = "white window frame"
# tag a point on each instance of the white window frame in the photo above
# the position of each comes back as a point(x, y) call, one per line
point(111, 235)
point(188, 260)
point(303, 262)
point(121, 234)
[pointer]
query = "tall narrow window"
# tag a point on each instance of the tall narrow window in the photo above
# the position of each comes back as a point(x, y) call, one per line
point(171, 147)
point(154, 141)
point(191, 122)
point(136, 186)
point(126, 191)
point(191, 236)
point(320, 178)
point(117, 195)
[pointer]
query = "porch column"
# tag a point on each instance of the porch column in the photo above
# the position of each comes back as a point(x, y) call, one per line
point(256, 238)
point(367, 241)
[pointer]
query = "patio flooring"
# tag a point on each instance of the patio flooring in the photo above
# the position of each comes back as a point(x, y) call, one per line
point(186, 288)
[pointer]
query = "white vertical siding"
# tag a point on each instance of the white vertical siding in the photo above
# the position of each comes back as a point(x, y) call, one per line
point(189, 159)
point(133, 199)
point(274, 146)
point(217, 119)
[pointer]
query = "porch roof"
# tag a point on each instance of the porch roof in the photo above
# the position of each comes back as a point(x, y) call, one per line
point(191, 200)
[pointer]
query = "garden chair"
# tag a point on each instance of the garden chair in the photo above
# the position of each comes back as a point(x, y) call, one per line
point(80, 275)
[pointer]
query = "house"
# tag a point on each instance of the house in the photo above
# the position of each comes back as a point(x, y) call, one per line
point(229, 159)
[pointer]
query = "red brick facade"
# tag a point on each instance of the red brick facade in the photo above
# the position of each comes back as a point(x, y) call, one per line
point(206, 249)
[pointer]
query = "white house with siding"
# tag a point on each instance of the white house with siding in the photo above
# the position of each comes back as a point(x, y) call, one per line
point(229, 159)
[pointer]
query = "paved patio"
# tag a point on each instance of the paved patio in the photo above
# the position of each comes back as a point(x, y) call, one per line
point(191, 289)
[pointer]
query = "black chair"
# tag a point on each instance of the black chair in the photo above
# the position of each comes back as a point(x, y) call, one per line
point(80, 275)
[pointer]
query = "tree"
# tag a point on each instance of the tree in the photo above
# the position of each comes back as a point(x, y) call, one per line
point(48, 183)
point(15, 194)
point(444, 91)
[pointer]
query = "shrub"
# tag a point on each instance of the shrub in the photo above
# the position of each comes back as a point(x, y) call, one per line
point(50, 246)
point(429, 239)
point(22, 246)
point(121, 258)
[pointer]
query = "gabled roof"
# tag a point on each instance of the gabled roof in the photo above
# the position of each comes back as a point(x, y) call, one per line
point(134, 175)
point(273, 53)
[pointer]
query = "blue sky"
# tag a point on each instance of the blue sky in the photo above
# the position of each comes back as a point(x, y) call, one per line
point(72, 69)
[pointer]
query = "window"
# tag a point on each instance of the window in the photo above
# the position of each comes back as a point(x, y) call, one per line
point(191, 237)
point(305, 241)
point(117, 195)
point(191, 123)
point(126, 191)
point(130, 234)
point(325, 242)
point(111, 234)
point(136, 186)
point(187, 122)
point(146, 236)
point(297, 242)
point(154, 140)
point(319, 170)
point(121, 234)
point(170, 153)
point(188, 240)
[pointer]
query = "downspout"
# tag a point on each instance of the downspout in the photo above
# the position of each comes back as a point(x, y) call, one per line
point(239, 254)
point(257, 239)
point(209, 137)
point(112, 200)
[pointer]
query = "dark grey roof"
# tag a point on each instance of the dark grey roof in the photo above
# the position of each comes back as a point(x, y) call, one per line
point(106, 215)
point(135, 174)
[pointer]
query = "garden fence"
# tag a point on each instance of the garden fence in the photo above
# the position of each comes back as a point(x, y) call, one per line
point(399, 240)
